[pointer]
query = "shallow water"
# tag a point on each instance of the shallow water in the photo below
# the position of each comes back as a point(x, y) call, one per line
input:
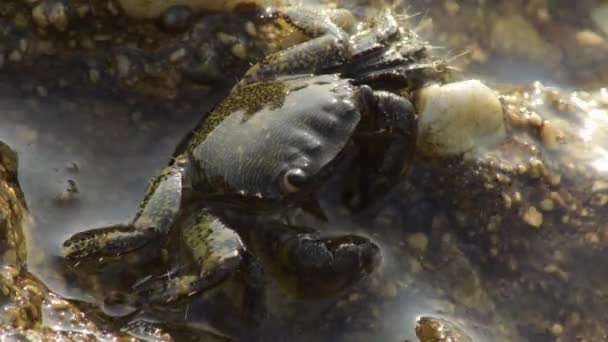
point(110, 147)
point(94, 141)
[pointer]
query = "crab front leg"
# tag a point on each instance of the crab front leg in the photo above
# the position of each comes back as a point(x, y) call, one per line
point(153, 220)
point(392, 119)
point(328, 46)
point(311, 266)
point(215, 249)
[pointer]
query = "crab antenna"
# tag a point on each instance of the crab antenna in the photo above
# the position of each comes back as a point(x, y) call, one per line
point(420, 24)
point(460, 55)
point(453, 68)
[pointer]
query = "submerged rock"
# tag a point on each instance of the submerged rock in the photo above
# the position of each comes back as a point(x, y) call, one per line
point(154, 8)
point(599, 15)
point(29, 310)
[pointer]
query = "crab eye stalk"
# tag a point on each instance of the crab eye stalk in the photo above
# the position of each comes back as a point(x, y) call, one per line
point(293, 180)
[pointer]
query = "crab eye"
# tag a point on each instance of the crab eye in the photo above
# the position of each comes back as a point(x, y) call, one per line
point(293, 180)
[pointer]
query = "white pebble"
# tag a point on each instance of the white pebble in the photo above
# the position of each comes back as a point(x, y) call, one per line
point(458, 117)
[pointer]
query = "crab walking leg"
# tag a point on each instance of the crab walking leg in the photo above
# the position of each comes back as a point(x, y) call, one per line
point(154, 218)
point(312, 266)
point(328, 47)
point(392, 115)
point(216, 250)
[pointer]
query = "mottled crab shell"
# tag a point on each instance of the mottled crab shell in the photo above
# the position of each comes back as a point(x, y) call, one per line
point(264, 130)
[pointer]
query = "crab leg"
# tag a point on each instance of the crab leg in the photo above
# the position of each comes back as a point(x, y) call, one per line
point(153, 220)
point(328, 47)
point(216, 250)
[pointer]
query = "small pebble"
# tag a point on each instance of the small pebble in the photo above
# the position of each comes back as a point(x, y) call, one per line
point(589, 38)
point(58, 304)
point(23, 45)
point(547, 204)
point(353, 297)
point(414, 266)
point(574, 319)
point(226, 38)
point(533, 217)
point(239, 51)
point(94, 75)
point(543, 15)
point(536, 168)
point(418, 242)
point(176, 19)
point(557, 329)
point(549, 135)
point(39, 15)
point(72, 167)
point(50, 12)
point(112, 9)
point(478, 54)
point(66, 198)
point(389, 290)
point(452, 7)
point(250, 29)
point(535, 120)
point(503, 179)
point(15, 56)
point(26, 135)
point(58, 16)
point(136, 116)
point(507, 201)
point(83, 10)
point(177, 55)
point(555, 179)
point(556, 197)
point(123, 65)
point(599, 185)
point(72, 188)
point(42, 92)
point(592, 238)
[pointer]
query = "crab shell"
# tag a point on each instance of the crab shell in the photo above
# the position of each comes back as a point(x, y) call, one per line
point(265, 131)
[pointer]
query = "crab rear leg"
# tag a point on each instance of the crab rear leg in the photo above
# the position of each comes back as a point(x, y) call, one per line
point(327, 48)
point(153, 220)
point(216, 251)
point(393, 119)
point(312, 266)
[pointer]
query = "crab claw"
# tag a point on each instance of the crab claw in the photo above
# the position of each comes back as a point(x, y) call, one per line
point(326, 266)
point(314, 267)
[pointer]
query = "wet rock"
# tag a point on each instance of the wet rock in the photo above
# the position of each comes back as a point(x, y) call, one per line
point(522, 267)
point(599, 15)
point(433, 329)
point(515, 36)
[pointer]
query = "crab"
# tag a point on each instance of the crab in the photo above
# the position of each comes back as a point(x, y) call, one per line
point(294, 120)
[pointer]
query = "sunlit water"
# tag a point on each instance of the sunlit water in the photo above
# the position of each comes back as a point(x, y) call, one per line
point(111, 149)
